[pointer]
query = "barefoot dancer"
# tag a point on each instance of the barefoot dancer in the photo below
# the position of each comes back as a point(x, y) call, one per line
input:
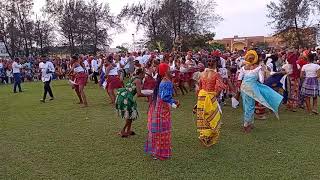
point(80, 80)
point(126, 104)
point(253, 90)
point(112, 78)
point(208, 110)
point(158, 143)
point(311, 87)
point(149, 81)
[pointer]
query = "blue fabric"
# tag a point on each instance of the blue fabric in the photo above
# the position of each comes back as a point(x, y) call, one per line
point(252, 91)
point(17, 82)
point(249, 107)
point(274, 79)
point(166, 91)
point(102, 78)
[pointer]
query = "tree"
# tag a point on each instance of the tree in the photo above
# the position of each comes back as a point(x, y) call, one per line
point(216, 46)
point(100, 22)
point(197, 41)
point(84, 24)
point(16, 26)
point(67, 14)
point(123, 49)
point(43, 35)
point(289, 14)
point(166, 20)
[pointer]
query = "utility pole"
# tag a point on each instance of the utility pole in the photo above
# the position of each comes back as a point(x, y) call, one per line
point(133, 43)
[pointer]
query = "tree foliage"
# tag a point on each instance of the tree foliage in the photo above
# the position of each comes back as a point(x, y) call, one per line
point(83, 24)
point(291, 16)
point(21, 32)
point(169, 21)
point(123, 49)
point(216, 46)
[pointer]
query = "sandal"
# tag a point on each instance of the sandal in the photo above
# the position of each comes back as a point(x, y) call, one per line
point(315, 112)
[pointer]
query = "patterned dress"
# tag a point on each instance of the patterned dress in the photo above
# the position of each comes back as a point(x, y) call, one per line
point(208, 110)
point(158, 142)
point(125, 102)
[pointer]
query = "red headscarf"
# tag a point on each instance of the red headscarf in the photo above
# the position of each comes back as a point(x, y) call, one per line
point(292, 59)
point(163, 68)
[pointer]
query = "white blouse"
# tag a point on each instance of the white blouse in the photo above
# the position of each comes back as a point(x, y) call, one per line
point(114, 70)
point(257, 71)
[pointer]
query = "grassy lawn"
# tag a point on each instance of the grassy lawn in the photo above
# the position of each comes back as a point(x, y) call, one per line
point(58, 140)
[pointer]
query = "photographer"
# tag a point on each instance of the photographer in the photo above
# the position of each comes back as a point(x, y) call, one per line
point(47, 70)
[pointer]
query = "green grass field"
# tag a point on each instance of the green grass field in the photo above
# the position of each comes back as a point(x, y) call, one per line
point(55, 140)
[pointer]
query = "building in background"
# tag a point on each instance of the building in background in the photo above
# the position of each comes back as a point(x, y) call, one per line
point(277, 41)
point(238, 43)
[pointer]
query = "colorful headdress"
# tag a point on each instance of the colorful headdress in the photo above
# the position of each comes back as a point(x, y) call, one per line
point(163, 69)
point(251, 54)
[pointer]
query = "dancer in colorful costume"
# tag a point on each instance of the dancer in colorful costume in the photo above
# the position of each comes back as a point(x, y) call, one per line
point(158, 143)
point(311, 85)
point(208, 110)
point(253, 90)
point(80, 79)
point(126, 103)
point(112, 67)
point(292, 81)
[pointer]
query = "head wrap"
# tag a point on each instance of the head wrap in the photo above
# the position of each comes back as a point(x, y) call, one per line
point(250, 54)
point(163, 69)
point(292, 59)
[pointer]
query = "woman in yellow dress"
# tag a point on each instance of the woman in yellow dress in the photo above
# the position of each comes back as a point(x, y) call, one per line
point(208, 109)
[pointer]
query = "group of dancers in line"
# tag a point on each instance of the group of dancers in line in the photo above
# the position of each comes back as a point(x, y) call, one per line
point(249, 76)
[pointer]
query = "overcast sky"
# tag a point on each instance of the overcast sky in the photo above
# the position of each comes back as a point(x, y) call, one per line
point(241, 17)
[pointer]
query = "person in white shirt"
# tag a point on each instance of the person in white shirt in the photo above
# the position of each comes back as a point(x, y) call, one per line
point(2, 73)
point(86, 65)
point(16, 66)
point(240, 60)
point(139, 58)
point(114, 82)
point(311, 85)
point(145, 58)
point(1, 65)
point(9, 75)
point(47, 69)
point(95, 69)
point(124, 64)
